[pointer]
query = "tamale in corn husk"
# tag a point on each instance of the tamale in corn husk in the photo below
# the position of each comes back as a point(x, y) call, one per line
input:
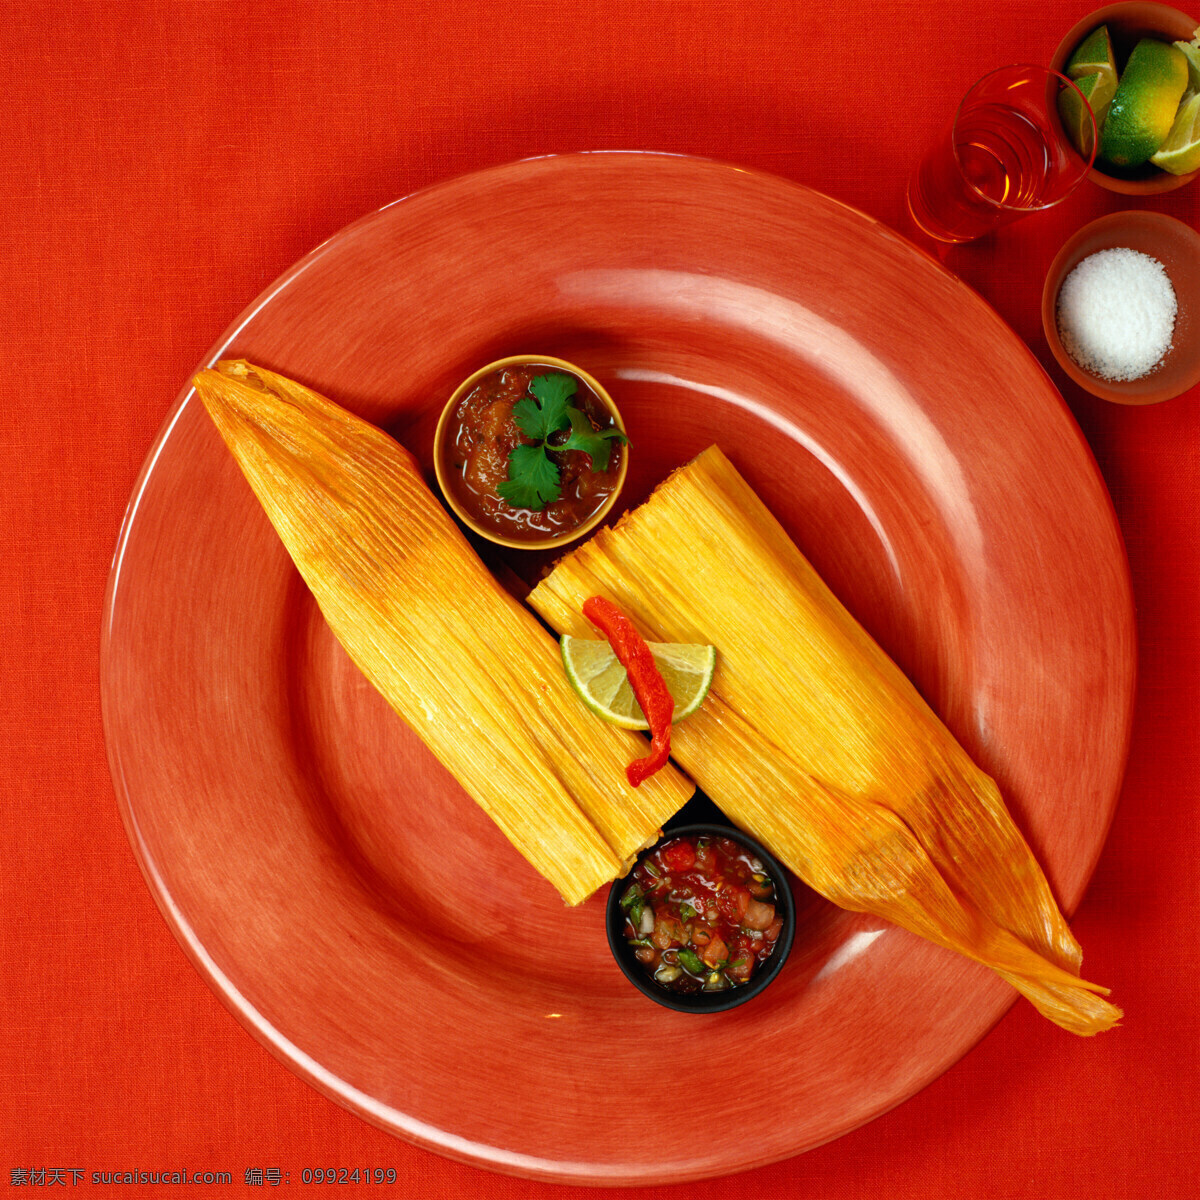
point(813, 741)
point(468, 668)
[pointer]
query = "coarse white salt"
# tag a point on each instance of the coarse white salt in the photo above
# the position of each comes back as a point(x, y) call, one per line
point(1116, 314)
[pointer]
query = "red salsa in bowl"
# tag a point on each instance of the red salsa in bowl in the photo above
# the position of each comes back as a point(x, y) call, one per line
point(703, 921)
point(530, 452)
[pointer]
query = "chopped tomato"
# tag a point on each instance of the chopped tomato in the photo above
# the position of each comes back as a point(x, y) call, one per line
point(715, 952)
point(668, 932)
point(679, 855)
point(742, 959)
point(732, 902)
point(760, 888)
point(758, 915)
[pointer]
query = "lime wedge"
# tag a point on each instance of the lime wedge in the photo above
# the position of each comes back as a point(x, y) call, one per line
point(1098, 90)
point(1191, 51)
point(1180, 153)
point(1093, 56)
point(1143, 110)
point(598, 677)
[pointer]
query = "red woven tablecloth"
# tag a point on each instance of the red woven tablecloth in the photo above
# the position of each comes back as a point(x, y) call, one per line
point(161, 165)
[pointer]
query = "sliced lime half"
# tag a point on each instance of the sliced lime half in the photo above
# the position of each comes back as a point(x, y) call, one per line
point(596, 674)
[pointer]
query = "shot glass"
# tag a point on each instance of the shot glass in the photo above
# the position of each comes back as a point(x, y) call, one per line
point(1002, 158)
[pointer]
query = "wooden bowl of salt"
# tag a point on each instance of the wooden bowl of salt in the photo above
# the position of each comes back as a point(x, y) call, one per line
point(1121, 307)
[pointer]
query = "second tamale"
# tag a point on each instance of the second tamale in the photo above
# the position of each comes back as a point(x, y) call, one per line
point(813, 740)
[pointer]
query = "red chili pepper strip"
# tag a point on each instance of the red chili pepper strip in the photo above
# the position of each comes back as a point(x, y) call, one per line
point(657, 703)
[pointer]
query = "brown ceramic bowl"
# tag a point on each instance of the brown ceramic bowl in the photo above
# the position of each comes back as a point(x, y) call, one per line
point(1177, 247)
point(442, 468)
point(1127, 25)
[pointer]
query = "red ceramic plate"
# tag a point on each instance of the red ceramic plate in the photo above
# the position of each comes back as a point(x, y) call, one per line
point(328, 878)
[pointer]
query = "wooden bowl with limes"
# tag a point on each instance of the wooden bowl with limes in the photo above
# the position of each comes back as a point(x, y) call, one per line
point(1127, 25)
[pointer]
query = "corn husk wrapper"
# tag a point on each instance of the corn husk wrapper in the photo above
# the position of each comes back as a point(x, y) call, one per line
point(468, 668)
point(814, 742)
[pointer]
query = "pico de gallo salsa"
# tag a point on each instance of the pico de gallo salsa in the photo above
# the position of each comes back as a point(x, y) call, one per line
point(701, 914)
point(485, 430)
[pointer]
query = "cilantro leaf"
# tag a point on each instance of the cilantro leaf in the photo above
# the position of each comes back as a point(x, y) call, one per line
point(547, 410)
point(533, 476)
point(532, 479)
point(595, 445)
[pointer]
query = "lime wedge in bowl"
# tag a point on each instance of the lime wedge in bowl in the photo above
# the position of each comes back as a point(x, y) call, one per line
point(1098, 90)
point(1143, 109)
point(1094, 55)
point(1180, 153)
point(1191, 51)
point(597, 675)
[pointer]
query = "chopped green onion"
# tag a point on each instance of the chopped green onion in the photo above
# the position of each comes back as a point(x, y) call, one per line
point(632, 893)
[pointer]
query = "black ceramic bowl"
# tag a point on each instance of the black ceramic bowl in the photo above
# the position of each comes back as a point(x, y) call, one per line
point(706, 1002)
